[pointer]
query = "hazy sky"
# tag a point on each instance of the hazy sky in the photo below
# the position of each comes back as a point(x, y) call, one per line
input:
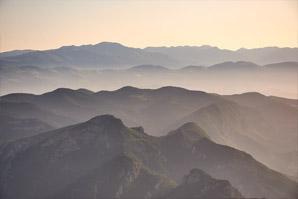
point(230, 24)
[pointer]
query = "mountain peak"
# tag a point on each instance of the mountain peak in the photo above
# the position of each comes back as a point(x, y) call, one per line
point(196, 175)
point(127, 89)
point(190, 132)
point(107, 44)
point(148, 67)
point(59, 91)
point(192, 129)
point(101, 119)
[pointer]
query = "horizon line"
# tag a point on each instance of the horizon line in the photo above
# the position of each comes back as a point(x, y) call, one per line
point(161, 46)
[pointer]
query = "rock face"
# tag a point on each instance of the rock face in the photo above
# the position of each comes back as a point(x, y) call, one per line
point(198, 184)
point(102, 158)
point(121, 177)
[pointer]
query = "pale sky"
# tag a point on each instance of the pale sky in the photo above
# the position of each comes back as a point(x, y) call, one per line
point(229, 24)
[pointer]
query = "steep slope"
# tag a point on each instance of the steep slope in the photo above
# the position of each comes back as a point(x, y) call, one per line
point(56, 159)
point(229, 122)
point(243, 128)
point(282, 116)
point(68, 153)
point(198, 184)
point(250, 177)
point(104, 158)
point(121, 177)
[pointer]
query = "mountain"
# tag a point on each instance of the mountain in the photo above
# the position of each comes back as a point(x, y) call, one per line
point(102, 55)
point(208, 55)
point(282, 116)
point(115, 55)
point(184, 153)
point(13, 128)
point(103, 158)
point(260, 125)
point(33, 111)
point(291, 102)
point(126, 103)
point(268, 55)
point(14, 53)
point(198, 184)
point(284, 67)
point(149, 68)
point(235, 67)
point(231, 77)
point(121, 177)
point(240, 127)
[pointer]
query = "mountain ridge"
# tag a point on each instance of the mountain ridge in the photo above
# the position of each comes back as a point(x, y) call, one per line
point(63, 152)
point(109, 54)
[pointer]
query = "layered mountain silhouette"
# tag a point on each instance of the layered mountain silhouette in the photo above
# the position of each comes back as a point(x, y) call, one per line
point(102, 55)
point(231, 77)
point(212, 55)
point(263, 126)
point(104, 158)
point(108, 54)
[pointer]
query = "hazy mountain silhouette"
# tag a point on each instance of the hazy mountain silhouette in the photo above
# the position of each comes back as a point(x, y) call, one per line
point(14, 53)
point(208, 55)
point(108, 54)
point(260, 125)
point(102, 55)
point(231, 77)
point(104, 158)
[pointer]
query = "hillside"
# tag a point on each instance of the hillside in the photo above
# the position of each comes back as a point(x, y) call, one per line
point(104, 150)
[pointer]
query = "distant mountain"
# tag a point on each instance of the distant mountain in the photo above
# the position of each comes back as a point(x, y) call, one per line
point(235, 67)
point(102, 55)
point(104, 158)
point(149, 68)
point(115, 55)
point(231, 77)
point(208, 55)
point(14, 53)
point(198, 184)
point(284, 67)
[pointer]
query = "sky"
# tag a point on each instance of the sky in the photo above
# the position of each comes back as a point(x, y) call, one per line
point(227, 24)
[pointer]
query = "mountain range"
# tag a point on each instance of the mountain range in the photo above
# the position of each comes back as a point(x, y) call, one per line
point(78, 133)
point(102, 158)
point(108, 54)
point(265, 127)
point(277, 79)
